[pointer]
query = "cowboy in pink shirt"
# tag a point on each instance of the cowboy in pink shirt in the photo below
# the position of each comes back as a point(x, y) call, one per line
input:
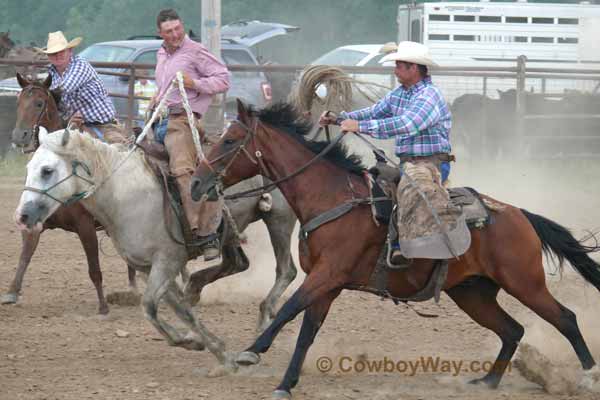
point(203, 76)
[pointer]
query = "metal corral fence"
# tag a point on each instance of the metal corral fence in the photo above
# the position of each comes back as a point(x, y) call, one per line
point(517, 83)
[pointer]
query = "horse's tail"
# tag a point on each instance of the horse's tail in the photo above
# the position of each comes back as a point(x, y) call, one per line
point(558, 240)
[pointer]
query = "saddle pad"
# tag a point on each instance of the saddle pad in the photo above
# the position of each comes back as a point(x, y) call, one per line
point(475, 211)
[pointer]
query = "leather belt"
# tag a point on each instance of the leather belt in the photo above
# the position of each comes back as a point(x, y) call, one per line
point(178, 110)
point(114, 121)
point(439, 157)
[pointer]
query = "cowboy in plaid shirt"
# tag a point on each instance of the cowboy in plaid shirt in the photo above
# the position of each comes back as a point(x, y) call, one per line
point(418, 117)
point(84, 100)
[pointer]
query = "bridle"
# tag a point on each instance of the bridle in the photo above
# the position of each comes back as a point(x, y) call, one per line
point(35, 140)
point(241, 148)
point(74, 197)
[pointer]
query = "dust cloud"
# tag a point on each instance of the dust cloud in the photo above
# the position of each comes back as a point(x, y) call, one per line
point(258, 279)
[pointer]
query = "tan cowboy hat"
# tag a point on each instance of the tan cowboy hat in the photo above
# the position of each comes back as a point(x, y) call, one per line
point(411, 52)
point(58, 42)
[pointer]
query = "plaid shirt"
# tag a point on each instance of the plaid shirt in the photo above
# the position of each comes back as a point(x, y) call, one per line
point(418, 117)
point(83, 91)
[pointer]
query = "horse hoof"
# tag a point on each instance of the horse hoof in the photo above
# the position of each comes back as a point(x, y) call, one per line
point(281, 394)
point(591, 380)
point(483, 382)
point(247, 358)
point(9, 298)
point(190, 343)
point(103, 310)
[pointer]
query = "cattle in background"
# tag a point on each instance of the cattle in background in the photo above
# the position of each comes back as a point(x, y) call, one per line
point(487, 127)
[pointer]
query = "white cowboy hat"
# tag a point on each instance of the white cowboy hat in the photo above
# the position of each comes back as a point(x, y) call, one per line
point(411, 52)
point(58, 42)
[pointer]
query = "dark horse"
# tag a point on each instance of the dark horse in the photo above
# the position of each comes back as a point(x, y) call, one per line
point(342, 253)
point(37, 106)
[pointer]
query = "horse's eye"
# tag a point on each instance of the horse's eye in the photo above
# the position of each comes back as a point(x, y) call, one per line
point(39, 104)
point(229, 142)
point(47, 172)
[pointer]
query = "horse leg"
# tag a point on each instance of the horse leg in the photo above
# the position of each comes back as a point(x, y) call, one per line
point(280, 231)
point(537, 298)
point(87, 235)
point(312, 321)
point(202, 336)
point(314, 286)
point(477, 297)
point(30, 242)
point(234, 261)
point(157, 285)
point(131, 278)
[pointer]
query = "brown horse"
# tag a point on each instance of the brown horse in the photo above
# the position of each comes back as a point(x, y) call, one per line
point(506, 254)
point(37, 106)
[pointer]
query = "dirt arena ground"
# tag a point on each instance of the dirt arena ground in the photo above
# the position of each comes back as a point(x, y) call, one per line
point(53, 345)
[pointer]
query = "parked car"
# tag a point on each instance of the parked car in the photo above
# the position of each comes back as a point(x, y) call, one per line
point(257, 36)
point(252, 87)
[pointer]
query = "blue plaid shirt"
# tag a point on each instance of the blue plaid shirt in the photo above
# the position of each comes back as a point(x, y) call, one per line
point(83, 91)
point(418, 117)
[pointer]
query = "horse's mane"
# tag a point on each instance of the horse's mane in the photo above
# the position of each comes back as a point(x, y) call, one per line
point(101, 156)
point(286, 118)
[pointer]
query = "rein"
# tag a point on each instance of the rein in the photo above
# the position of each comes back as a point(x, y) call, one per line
point(251, 135)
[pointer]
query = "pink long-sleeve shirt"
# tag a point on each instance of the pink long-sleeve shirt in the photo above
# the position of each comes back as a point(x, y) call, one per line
point(210, 75)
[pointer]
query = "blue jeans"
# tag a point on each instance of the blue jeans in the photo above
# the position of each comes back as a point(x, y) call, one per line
point(160, 130)
point(445, 170)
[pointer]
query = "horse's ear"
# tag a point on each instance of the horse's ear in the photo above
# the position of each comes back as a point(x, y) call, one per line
point(42, 134)
point(56, 94)
point(23, 82)
point(48, 81)
point(242, 110)
point(65, 137)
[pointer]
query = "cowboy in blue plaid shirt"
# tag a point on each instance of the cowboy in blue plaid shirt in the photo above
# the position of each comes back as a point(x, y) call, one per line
point(418, 117)
point(84, 100)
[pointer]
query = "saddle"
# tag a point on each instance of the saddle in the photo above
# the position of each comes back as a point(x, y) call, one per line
point(383, 180)
point(158, 159)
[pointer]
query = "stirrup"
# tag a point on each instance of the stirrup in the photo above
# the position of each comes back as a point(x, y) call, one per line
point(394, 258)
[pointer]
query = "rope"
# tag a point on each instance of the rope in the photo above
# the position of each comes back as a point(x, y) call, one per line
point(190, 115)
point(339, 90)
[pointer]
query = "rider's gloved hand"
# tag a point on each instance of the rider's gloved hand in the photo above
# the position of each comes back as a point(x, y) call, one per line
point(327, 118)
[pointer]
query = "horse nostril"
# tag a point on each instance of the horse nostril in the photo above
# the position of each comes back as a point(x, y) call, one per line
point(24, 134)
point(23, 219)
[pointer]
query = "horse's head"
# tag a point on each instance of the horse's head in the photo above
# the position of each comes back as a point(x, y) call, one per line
point(36, 106)
point(233, 158)
point(54, 178)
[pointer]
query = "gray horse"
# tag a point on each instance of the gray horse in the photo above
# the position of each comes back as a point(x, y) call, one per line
point(111, 184)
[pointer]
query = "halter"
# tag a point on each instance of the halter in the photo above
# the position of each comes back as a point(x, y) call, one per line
point(251, 135)
point(35, 140)
point(75, 197)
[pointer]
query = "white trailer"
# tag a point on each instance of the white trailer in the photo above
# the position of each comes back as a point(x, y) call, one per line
point(494, 34)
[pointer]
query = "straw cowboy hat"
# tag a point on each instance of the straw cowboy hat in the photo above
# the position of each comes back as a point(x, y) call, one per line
point(58, 42)
point(411, 52)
